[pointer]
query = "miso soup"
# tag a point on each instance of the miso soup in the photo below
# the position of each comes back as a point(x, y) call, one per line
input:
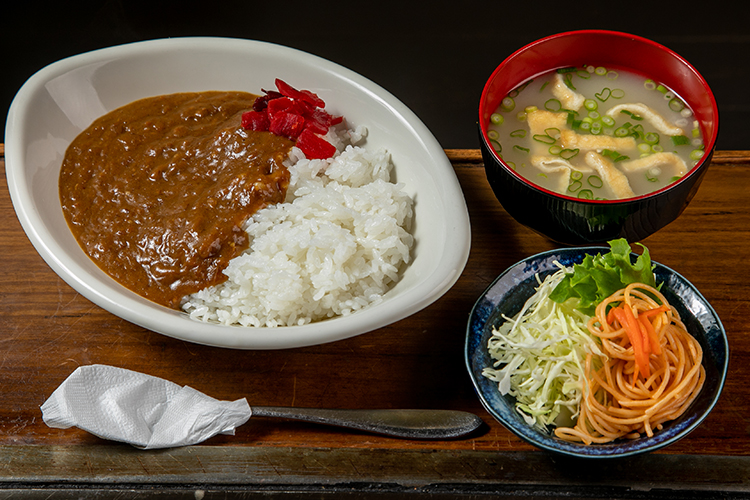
point(596, 133)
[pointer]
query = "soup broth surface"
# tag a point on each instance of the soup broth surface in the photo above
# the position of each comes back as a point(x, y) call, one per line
point(596, 133)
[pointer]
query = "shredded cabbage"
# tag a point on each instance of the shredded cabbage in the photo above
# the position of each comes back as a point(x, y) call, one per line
point(540, 354)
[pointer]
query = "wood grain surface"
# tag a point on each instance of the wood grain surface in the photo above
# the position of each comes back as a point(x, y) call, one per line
point(47, 330)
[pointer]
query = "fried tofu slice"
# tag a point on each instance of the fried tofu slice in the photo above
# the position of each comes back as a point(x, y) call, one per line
point(613, 178)
point(585, 142)
point(541, 120)
point(659, 122)
point(557, 165)
point(569, 98)
point(656, 160)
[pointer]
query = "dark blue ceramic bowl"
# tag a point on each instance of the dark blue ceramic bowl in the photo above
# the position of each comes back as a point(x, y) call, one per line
point(574, 221)
point(509, 292)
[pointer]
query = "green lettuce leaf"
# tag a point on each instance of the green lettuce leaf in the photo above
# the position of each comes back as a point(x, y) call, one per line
point(599, 276)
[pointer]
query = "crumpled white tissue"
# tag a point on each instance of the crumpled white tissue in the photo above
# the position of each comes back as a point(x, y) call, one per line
point(145, 411)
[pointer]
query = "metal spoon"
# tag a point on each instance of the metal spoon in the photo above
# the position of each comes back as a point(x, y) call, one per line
point(151, 412)
point(413, 424)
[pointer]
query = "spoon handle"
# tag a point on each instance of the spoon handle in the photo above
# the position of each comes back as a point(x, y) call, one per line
point(413, 424)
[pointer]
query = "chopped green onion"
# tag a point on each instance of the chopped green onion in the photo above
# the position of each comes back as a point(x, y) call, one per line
point(520, 133)
point(631, 114)
point(623, 131)
point(544, 85)
point(508, 104)
point(600, 70)
point(567, 70)
point(552, 132)
point(656, 148)
point(614, 155)
point(680, 140)
point(576, 175)
point(662, 89)
point(492, 134)
point(586, 194)
point(496, 146)
point(652, 174)
point(542, 174)
point(572, 121)
point(530, 109)
point(544, 138)
point(608, 121)
point(567, 154)
point(618, 93)
point(696, 154)
point(497, 119)
point(521, 116)
point(596, 128)
point(590, 104)
point(574, 186)
point(594, 115)
point(553, 105)
point(517, 90)
point(644, 148)
point(651, 138)
point(511, 164)
point(637, 131)
point(583, 74)
point(696, 132)
point(521, 149)
point(612, 75)
point(568, 79)
point(675, 178)
point(585, 125)
point(555, 150)
point(649, 84)
point(676, 105)
point(595, 181)
point(604, 94)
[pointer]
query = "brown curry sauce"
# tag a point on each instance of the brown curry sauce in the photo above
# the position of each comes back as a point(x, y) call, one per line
point(156, 192)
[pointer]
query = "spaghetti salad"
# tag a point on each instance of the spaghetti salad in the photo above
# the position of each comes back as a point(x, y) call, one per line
point(599, 344)
point(540, 355)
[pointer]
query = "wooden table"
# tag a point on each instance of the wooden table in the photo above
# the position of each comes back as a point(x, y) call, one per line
point(47, 330)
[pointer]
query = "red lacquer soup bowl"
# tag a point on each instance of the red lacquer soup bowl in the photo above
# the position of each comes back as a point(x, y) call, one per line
point(568, 219)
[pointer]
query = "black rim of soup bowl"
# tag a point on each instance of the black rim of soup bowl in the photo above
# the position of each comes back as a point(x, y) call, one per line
point(572, 221)
point(507, 294)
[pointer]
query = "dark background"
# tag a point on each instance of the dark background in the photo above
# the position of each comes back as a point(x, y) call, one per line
point(434, 56)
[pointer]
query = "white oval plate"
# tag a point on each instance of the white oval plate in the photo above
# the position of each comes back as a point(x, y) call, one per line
point(62, 99)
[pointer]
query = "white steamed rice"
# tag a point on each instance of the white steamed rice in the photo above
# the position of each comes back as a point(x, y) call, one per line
point(334, 247)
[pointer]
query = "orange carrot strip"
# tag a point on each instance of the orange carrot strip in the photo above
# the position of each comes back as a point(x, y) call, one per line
point(633, 330)
point(636, 325)
point(611, 316)
point(653, 338)
point(654, 311)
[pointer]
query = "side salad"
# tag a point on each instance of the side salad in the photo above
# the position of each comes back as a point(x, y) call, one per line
point(560, 355)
